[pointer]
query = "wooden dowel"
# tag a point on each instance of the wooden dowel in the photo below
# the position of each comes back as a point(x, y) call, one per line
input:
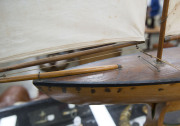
point(170, 38)
point(68, 56)
point(59, 73)
point(162, 29)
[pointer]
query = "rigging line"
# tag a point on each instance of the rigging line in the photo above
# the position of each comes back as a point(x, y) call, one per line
point(58, 49)
point(162, 69)
point(69, 61)
point(4, 75)
point(149, 63)
point(83, 59)
point(176, 67)
point(173, 9)
point(68, 56)
point(71, 48)
point(169, 13)
point(163, 20)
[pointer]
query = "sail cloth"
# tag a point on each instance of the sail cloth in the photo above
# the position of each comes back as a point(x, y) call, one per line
point(173, 19)
point(35, 27)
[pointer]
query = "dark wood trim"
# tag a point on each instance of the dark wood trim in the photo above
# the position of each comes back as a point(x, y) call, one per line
point(51, 83)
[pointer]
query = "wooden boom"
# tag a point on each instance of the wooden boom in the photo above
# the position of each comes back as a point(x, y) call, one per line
point(68, 56)
point(59, 73)
point(170, 38)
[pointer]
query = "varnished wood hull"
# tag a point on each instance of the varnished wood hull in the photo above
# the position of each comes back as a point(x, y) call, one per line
point(136, 82)
point(114, 95)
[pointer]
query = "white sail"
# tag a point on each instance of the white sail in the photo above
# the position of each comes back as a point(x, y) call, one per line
point(35, 27)
point(173, 19)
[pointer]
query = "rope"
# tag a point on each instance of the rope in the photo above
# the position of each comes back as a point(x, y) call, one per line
point(163, 20)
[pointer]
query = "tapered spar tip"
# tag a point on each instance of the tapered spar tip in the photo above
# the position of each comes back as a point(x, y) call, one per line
point(119, 66)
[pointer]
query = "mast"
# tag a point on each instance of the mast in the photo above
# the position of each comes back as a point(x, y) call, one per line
point(163, 29)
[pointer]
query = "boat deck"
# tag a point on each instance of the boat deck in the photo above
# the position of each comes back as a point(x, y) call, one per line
point(135, 70)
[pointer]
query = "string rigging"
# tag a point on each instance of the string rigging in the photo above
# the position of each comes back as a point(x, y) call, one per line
point(175, 67)
point(5, 75)
point(77, 60)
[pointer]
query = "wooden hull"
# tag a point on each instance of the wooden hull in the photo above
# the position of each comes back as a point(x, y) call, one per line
point(137, 82)
point(114, 95)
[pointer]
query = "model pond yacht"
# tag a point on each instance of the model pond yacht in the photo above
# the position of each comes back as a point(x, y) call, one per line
point(33, 28)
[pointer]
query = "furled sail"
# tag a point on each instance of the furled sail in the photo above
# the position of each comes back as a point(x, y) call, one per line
point(173, 19)
point(35, 27)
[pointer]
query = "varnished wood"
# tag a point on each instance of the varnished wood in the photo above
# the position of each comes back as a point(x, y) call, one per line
point(170, 38)
point(136, 82)
point(134, 69)
point(58, 73)
point(163, 28)
point(99, 56)
point(113, 95)
point(168, 107)
point(160, 110)
point(157, 117)
point(68, 56)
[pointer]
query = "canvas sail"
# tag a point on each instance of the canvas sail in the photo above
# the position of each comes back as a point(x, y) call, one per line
point(35, 27)
point(173, 19)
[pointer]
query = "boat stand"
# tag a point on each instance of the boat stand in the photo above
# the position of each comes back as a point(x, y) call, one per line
point(157, 111)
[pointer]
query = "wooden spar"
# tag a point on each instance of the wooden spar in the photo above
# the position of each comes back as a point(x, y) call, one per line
point(136, 82)
point(170, 38)
point(162, 29)
point(59, 73)
point(68, 56)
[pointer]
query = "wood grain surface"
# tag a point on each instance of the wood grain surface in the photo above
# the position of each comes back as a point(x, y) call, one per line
point(133, 69)
point(136, 82)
